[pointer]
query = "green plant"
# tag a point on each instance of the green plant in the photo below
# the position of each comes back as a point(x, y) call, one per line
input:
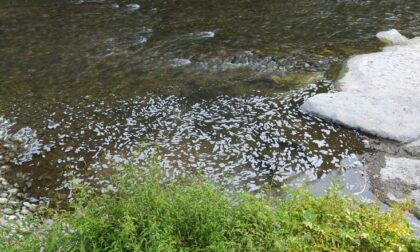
point(145, 214)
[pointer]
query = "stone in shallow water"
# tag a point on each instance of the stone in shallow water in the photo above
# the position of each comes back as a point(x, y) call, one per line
point(179, 62)
point(380, 92)
point(133, 7)
point(202, 35)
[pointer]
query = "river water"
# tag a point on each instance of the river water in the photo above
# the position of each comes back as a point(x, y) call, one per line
point(210, 87)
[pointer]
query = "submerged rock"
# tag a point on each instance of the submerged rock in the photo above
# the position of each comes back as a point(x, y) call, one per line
point(202, 35)
point(18, 147)
point(297, 79)
point(132, 7)
point(380, 94)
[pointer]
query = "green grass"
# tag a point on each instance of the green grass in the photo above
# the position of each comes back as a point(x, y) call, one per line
point(146, 215)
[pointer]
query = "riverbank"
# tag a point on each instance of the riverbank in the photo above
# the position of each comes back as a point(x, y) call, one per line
point(379, 95)
point(139, 213)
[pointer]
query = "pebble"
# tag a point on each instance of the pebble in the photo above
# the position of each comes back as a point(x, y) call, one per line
point(33, 200)
point(3, 200)
point(28, 184)
point(49, 222)
point(14, 203)
point(12, 191)
point(133, 7)
point(24, 211)
point(5, 167)
point(366, 143)
point(68, 149)
point(8, 211)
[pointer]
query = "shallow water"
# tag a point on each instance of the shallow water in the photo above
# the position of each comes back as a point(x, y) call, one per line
point(202, 84)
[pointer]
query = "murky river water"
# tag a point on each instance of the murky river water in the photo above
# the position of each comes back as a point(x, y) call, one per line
point(203, 86)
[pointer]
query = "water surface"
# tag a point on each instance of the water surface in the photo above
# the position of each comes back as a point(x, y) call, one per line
point(203, 86)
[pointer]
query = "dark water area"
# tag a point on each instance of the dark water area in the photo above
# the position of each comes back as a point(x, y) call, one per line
point(207, 87)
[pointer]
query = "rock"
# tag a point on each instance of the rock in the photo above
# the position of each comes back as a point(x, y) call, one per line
point(380, 94)
point(404, 169)
point(392, 37)
point(49, 222)
point(394, 71)
point(12, 191)
point(202, 35)
point(3, 201)
point(366, 143)
point(8, 211)
point(132, 7)
point(68, 149)
point(14, 203)
point(3, 222)
point(33, 200)
point(400, 180)
point(415, 195)
point(180, 62)
point(393, 117)
point(24, 211)
point(299, 79)
point(413, 148)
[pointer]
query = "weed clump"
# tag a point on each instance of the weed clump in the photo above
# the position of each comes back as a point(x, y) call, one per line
point(144, 214)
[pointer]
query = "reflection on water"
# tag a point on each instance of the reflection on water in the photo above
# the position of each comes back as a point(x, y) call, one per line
point(201, 80)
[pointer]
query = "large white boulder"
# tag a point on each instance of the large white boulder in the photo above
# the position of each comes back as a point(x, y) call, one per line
point(394, 71)
point(380, 93)
point(392, 117)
